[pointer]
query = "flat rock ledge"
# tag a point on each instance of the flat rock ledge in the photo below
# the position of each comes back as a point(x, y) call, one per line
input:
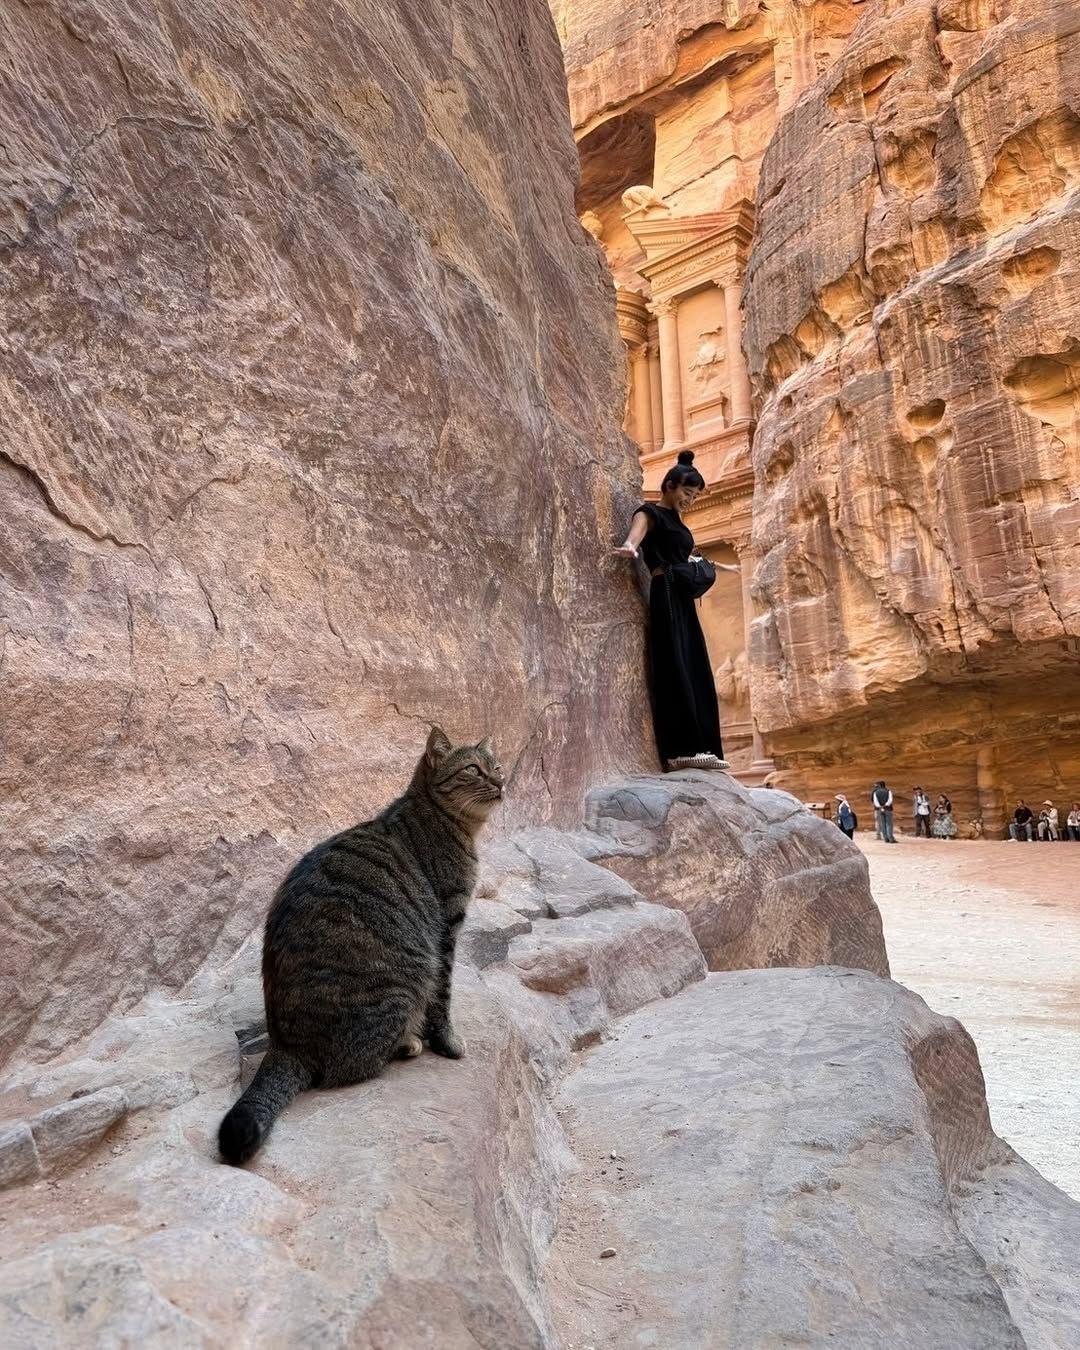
point(772, 1156)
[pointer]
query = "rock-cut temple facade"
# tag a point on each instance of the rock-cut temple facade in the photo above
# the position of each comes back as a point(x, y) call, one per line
point(843, 237)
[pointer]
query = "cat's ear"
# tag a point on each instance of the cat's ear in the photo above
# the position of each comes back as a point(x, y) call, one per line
point(438, 747)
point(485, 746)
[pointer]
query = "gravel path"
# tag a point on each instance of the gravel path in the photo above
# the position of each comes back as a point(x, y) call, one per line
point(990, 933)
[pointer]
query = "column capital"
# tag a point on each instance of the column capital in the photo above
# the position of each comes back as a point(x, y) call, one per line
point(666, 304)
point(730, 277)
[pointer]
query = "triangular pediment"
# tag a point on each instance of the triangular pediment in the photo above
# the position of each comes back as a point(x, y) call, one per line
point(663, 235)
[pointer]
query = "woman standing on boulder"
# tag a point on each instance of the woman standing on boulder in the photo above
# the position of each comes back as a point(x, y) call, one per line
point(686, 716)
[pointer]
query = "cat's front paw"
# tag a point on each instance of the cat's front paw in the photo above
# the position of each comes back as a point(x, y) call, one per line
point(447, 1043)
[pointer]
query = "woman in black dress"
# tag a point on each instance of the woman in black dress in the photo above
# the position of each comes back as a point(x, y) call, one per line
point(686, 717)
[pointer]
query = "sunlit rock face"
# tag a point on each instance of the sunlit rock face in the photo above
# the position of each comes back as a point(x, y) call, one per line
point(673, 106)
point(310, 405)
point(912, 310)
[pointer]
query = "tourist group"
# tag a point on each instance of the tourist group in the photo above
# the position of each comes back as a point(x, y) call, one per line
point(1025, 826)
point(935, 821)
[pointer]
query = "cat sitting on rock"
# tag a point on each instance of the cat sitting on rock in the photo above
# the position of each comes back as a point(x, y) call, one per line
point(359, 944)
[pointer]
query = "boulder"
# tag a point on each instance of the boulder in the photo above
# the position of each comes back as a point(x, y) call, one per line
point(311, 406)
point(571, 981)
point(19, 1159)
point(801, 1157)
point(763, 881)
point(415, 1209)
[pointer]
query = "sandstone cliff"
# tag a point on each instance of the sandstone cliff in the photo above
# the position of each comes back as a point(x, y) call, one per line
point(684, 97)
point(913, 329)
point(309, 398)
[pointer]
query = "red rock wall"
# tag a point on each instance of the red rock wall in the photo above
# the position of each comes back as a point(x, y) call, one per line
point(913, 329)
point(309, 435)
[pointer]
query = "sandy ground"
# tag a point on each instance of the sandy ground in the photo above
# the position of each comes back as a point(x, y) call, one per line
point(989, 932)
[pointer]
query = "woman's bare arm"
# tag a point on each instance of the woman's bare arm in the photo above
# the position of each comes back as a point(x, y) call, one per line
point(639, 527)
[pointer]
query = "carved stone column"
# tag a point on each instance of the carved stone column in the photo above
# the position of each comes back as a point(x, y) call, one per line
point(991, 797)
point(656, 407)
point(640, 397)
point(667, 324)
point(741, 404)
point(633, 319)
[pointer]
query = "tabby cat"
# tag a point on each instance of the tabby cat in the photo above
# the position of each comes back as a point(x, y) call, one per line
point(359, 945)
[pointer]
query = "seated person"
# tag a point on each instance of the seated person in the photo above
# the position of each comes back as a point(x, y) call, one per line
point(1020, 826)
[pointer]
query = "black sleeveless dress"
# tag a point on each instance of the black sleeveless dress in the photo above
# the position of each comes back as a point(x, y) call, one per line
point(686, 716)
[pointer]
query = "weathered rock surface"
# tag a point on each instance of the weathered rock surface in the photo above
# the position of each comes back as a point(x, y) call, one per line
point(487, 932)
point(19, 1160)
point(552, 873)
point(764, 882)
point(310, 406)
point(802, 1158)
point(779, 1153)
point(65, 1132)
point(913, 327)
point(413, 1210)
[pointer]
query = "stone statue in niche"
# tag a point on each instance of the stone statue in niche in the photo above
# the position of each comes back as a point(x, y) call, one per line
point(733, 679)
point(643, 198)
point(710, 354)
point(591, 222)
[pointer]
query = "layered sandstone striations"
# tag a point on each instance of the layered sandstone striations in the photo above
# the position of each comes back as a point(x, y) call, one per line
point(913, 330)
point(309, 398)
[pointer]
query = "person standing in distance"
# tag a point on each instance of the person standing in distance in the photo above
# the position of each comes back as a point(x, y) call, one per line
point(921, 811)
point(846, 819)
point(882, 799)
point(686, 714)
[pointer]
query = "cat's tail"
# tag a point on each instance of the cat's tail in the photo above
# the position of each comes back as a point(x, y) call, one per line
point(277, 1081)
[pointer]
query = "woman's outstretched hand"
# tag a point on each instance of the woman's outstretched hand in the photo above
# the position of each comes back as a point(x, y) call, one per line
point(625, 551)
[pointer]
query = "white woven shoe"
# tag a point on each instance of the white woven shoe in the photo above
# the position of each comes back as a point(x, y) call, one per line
point(704, 760)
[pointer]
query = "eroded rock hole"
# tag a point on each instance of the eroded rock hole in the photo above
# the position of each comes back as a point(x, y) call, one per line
point(927, 415)
point(1023, 271)
point(874, 81)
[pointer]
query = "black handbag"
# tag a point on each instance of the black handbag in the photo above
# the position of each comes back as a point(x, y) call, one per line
point(693, 577)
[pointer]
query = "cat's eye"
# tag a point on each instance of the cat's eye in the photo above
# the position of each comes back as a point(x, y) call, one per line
point(471, 770)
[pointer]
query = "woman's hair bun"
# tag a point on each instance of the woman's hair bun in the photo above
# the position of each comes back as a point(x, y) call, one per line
point(686, 457)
